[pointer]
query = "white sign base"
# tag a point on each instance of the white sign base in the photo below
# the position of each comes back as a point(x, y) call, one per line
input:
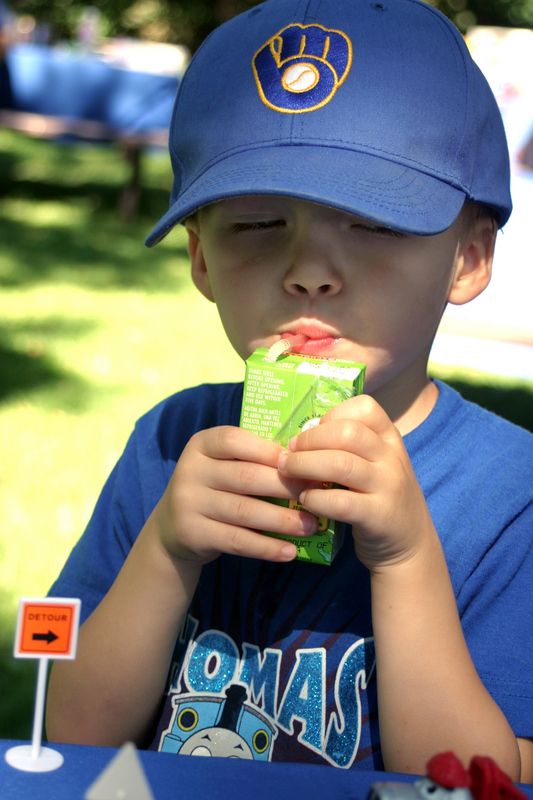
point(24, 758)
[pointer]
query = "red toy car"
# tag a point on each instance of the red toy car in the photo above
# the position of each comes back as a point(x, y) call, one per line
point(447, 779)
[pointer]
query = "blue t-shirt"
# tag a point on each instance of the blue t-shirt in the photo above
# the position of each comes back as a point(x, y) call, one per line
point(276, 661)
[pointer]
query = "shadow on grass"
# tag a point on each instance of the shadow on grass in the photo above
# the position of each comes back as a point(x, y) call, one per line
point(21, 374)
point(25, 371)
point(73, 169)
point(513, 403)
point(16, 705)
point(89, 255)
point(18, 680)
point(82, 240)
point(8, 161)
point(153, 202)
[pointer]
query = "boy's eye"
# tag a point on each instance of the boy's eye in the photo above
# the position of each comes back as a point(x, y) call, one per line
point(378, 230)
point(257, 225)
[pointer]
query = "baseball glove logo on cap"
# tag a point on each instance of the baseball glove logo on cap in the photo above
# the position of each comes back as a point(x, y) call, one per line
point(301, 67)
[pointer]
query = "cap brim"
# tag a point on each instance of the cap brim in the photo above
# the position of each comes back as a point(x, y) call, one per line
point(395, 195)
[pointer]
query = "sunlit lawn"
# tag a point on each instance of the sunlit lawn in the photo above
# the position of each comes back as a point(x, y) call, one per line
point(94, 330)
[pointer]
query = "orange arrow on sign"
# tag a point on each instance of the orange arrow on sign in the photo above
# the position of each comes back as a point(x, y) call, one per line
point(47, 628)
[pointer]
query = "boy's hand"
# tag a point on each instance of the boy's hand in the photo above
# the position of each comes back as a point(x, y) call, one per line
point(357, 446)
point(212, 504)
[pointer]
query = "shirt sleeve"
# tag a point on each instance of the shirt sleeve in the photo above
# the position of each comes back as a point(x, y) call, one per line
point(136, 485)
point(97, 558)
point(497, 619)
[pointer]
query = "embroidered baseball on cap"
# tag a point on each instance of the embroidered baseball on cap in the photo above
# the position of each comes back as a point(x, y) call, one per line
point(376, 108)
point(300, 68)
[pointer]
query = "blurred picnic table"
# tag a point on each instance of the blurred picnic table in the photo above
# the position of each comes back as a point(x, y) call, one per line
point(67, 94)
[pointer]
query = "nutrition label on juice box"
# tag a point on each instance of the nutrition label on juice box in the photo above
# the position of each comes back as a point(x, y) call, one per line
point(264, 395)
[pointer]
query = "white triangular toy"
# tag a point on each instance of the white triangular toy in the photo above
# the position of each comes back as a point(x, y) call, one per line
point(123, 778)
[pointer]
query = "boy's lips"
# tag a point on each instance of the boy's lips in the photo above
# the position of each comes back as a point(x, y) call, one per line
point(317, 342)
point(314, 347)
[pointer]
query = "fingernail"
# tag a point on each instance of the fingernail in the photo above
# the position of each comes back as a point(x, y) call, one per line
point(289, 551)
point(308, 524)
point(292, 443)
point(282, 460)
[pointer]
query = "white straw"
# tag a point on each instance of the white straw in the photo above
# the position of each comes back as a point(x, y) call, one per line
point(276, 350)
point(282, 345)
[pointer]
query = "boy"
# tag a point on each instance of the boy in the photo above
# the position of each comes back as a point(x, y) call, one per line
point(341, 168)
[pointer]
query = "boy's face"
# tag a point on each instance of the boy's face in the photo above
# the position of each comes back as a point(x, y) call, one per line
point(277, 265)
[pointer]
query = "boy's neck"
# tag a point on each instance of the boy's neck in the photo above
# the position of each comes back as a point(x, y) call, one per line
point(409, 399)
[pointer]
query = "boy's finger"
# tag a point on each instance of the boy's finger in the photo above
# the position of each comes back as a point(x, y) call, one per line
point(367, 411)
point(256, 514)
point(341, 434)
point(332, 466)
point(250, 544)
point(229, 442)
point(245, 477)
point(221, 537)
point(339, 504)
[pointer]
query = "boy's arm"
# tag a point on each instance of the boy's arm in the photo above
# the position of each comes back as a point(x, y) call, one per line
point(526, 759)
point(112, 691)
point(430, 696)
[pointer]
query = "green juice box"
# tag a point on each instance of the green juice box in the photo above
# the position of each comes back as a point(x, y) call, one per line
point(286, 397)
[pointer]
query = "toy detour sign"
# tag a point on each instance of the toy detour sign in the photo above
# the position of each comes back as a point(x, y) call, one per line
point(47, 628)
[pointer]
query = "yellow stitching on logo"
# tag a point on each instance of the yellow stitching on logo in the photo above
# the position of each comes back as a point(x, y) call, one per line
point(276, 53)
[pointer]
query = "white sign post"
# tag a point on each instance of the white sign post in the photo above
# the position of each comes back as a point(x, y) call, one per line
point(46, 629)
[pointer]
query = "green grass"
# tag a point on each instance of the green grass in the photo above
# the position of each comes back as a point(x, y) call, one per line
point(94, 330)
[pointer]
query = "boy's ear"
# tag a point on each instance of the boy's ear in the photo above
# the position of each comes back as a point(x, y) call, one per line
point(199, 273)
point(473, 269)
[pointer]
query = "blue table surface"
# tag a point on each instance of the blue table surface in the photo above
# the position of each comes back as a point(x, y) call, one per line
point(188, 778)
point(44, 81)
point(192, 778)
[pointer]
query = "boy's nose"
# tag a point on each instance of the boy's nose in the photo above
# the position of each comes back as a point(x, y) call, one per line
point(312, 273)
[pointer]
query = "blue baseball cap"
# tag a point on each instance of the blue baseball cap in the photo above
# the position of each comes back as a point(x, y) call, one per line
point(376, 108)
